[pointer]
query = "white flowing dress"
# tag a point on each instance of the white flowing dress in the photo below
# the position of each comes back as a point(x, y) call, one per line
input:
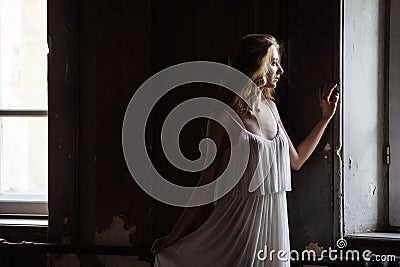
point(245, 228)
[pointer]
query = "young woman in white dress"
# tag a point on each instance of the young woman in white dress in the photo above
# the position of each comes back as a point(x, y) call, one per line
point(248, 228)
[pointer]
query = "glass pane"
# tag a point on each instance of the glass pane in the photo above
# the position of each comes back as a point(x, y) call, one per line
point(23, 143)
point(23, 54)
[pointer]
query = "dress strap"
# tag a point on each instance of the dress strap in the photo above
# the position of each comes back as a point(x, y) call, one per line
point(273, 114)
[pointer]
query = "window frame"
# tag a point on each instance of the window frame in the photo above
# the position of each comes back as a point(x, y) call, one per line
point(24, 204)
point(363, 184)
point(32, 204)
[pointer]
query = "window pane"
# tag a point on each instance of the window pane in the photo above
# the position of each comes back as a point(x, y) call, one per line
point(23, 54)
point(23, 143)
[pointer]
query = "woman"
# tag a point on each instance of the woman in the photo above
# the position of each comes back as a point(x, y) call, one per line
point(248, 227)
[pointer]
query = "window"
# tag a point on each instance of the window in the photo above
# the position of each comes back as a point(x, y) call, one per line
point(23, 107)
point(363, 74)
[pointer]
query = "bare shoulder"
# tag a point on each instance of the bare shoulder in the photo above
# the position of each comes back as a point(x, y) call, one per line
point(220, 115)
point(222, 127)
point(218, 120)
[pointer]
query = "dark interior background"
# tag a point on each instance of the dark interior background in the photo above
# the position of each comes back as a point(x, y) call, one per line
point(102, 51)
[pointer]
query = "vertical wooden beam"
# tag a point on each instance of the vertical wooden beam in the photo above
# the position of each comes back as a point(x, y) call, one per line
point(62, 99)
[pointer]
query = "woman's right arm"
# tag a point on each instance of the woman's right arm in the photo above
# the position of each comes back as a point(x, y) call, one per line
point(189, 215)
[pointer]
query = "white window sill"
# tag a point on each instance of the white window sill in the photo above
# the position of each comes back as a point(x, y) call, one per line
point(381, 243)
point(375, 236)
point(26, 222)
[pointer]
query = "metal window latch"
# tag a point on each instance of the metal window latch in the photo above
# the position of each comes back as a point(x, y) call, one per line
point(388, 155)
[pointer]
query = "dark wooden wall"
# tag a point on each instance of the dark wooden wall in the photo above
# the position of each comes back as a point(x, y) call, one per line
point(111, 47)
point(313, 56)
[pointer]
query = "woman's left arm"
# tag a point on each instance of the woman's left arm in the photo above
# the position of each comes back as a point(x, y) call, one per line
point(303, 151)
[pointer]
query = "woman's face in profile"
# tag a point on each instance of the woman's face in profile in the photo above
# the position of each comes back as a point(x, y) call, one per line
point(272, 69)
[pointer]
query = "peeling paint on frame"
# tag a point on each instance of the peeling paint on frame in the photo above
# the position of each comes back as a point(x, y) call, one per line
point(118, 235)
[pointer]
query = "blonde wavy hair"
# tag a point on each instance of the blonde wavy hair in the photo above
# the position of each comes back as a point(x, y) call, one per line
point(250, 55)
